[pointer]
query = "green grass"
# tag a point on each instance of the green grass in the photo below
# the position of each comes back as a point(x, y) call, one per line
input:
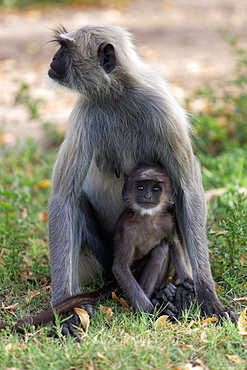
point(127, 341)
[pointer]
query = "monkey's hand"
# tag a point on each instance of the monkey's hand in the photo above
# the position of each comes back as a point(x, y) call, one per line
point(164, 297)
point(70, 322)
point(184, 295)
point(142, 304)
point(188, 283)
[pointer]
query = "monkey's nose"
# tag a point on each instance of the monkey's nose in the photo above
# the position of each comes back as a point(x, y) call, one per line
point(147, 196)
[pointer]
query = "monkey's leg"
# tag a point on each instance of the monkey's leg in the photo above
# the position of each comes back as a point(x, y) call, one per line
point(71, 227)
point(154, 276)
point(191, 216)
point(178, 260)
point(156, 266)
point(129, 285)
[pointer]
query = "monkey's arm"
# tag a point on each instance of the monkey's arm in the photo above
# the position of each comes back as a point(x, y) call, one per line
point(191, 215)
point(71, 222)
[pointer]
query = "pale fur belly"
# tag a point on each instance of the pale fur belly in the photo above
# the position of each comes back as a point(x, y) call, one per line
point(145, 246)
point(105, 195)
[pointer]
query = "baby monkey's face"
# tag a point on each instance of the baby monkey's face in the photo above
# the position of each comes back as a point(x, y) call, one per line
point(147, 193)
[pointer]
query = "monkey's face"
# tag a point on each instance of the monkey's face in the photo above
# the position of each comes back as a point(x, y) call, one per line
point(148, 190)
point(147, 193)
point(59, 65)
point(83, 60)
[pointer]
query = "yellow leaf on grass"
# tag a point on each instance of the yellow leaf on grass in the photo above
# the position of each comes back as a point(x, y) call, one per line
point(44, 184)
point(236, 359)
point(193, 365)
point(240, 299)
point(90, 366)
point(114, 297)
point(43, 216)
point(192, 323)
point(9, 307)
point(161, 321)
point(84, 318)
point(120, 300)
point(107, 311)
point(242, 321)
point(8, 347)
point(30, 295)
point(209, 319)
point(103, 358)
point(223, 340)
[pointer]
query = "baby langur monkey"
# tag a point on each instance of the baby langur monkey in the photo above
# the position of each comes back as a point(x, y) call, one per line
point(147, 226)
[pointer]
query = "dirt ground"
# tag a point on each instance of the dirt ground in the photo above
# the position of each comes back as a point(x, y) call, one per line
point(180, 37)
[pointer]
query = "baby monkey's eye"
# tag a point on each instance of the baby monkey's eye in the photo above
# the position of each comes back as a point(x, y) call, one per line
point(140, 188)
point(156, 189)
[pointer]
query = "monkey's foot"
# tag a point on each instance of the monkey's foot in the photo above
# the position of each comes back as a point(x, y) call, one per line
point(183, 298)
point(164, 295)
point(164, 298)
point(70, 322)
point(227, 315)
point(216, 309)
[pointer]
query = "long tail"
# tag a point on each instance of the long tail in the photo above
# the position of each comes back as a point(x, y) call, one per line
point(66, 305)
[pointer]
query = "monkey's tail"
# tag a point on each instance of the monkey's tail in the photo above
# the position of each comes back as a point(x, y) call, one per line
point(64, 306)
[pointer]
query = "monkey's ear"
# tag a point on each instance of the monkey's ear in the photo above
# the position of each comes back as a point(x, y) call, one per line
point(107, 57)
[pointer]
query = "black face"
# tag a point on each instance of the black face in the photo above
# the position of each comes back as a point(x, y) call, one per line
point(147, 193)
point(58, 66)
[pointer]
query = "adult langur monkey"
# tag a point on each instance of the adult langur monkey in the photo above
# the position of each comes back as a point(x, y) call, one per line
point(125, 115)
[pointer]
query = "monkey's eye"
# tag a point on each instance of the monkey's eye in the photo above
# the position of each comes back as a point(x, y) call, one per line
point(156, 189)
point(140, 188)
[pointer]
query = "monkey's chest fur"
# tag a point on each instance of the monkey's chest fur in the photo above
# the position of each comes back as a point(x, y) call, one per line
point(146, 232)
point(119, 134)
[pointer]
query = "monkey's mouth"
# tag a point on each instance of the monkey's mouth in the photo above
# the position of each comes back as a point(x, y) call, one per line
point(53, 74)
point(147, 205)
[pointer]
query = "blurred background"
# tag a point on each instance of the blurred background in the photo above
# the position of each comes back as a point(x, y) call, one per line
point(181, 38)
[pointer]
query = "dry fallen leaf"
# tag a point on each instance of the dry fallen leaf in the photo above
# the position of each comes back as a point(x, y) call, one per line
point(103, 358)
point(209, 319)
point(236, 359)
point(44, 184)
point(107, 311)
point(90, 366)
point(9, 307)
point(193, 365)
point(223, 340)
point(84, 318)
point(8, 347)
point(43, 216)
point(120, 300)
point(203, 333)
point(242, 327)
point(192, 323)
point(32, 294)
point(240, 299)
point(161, 321)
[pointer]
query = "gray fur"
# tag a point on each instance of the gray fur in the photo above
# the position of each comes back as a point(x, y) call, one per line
point(120, 120)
